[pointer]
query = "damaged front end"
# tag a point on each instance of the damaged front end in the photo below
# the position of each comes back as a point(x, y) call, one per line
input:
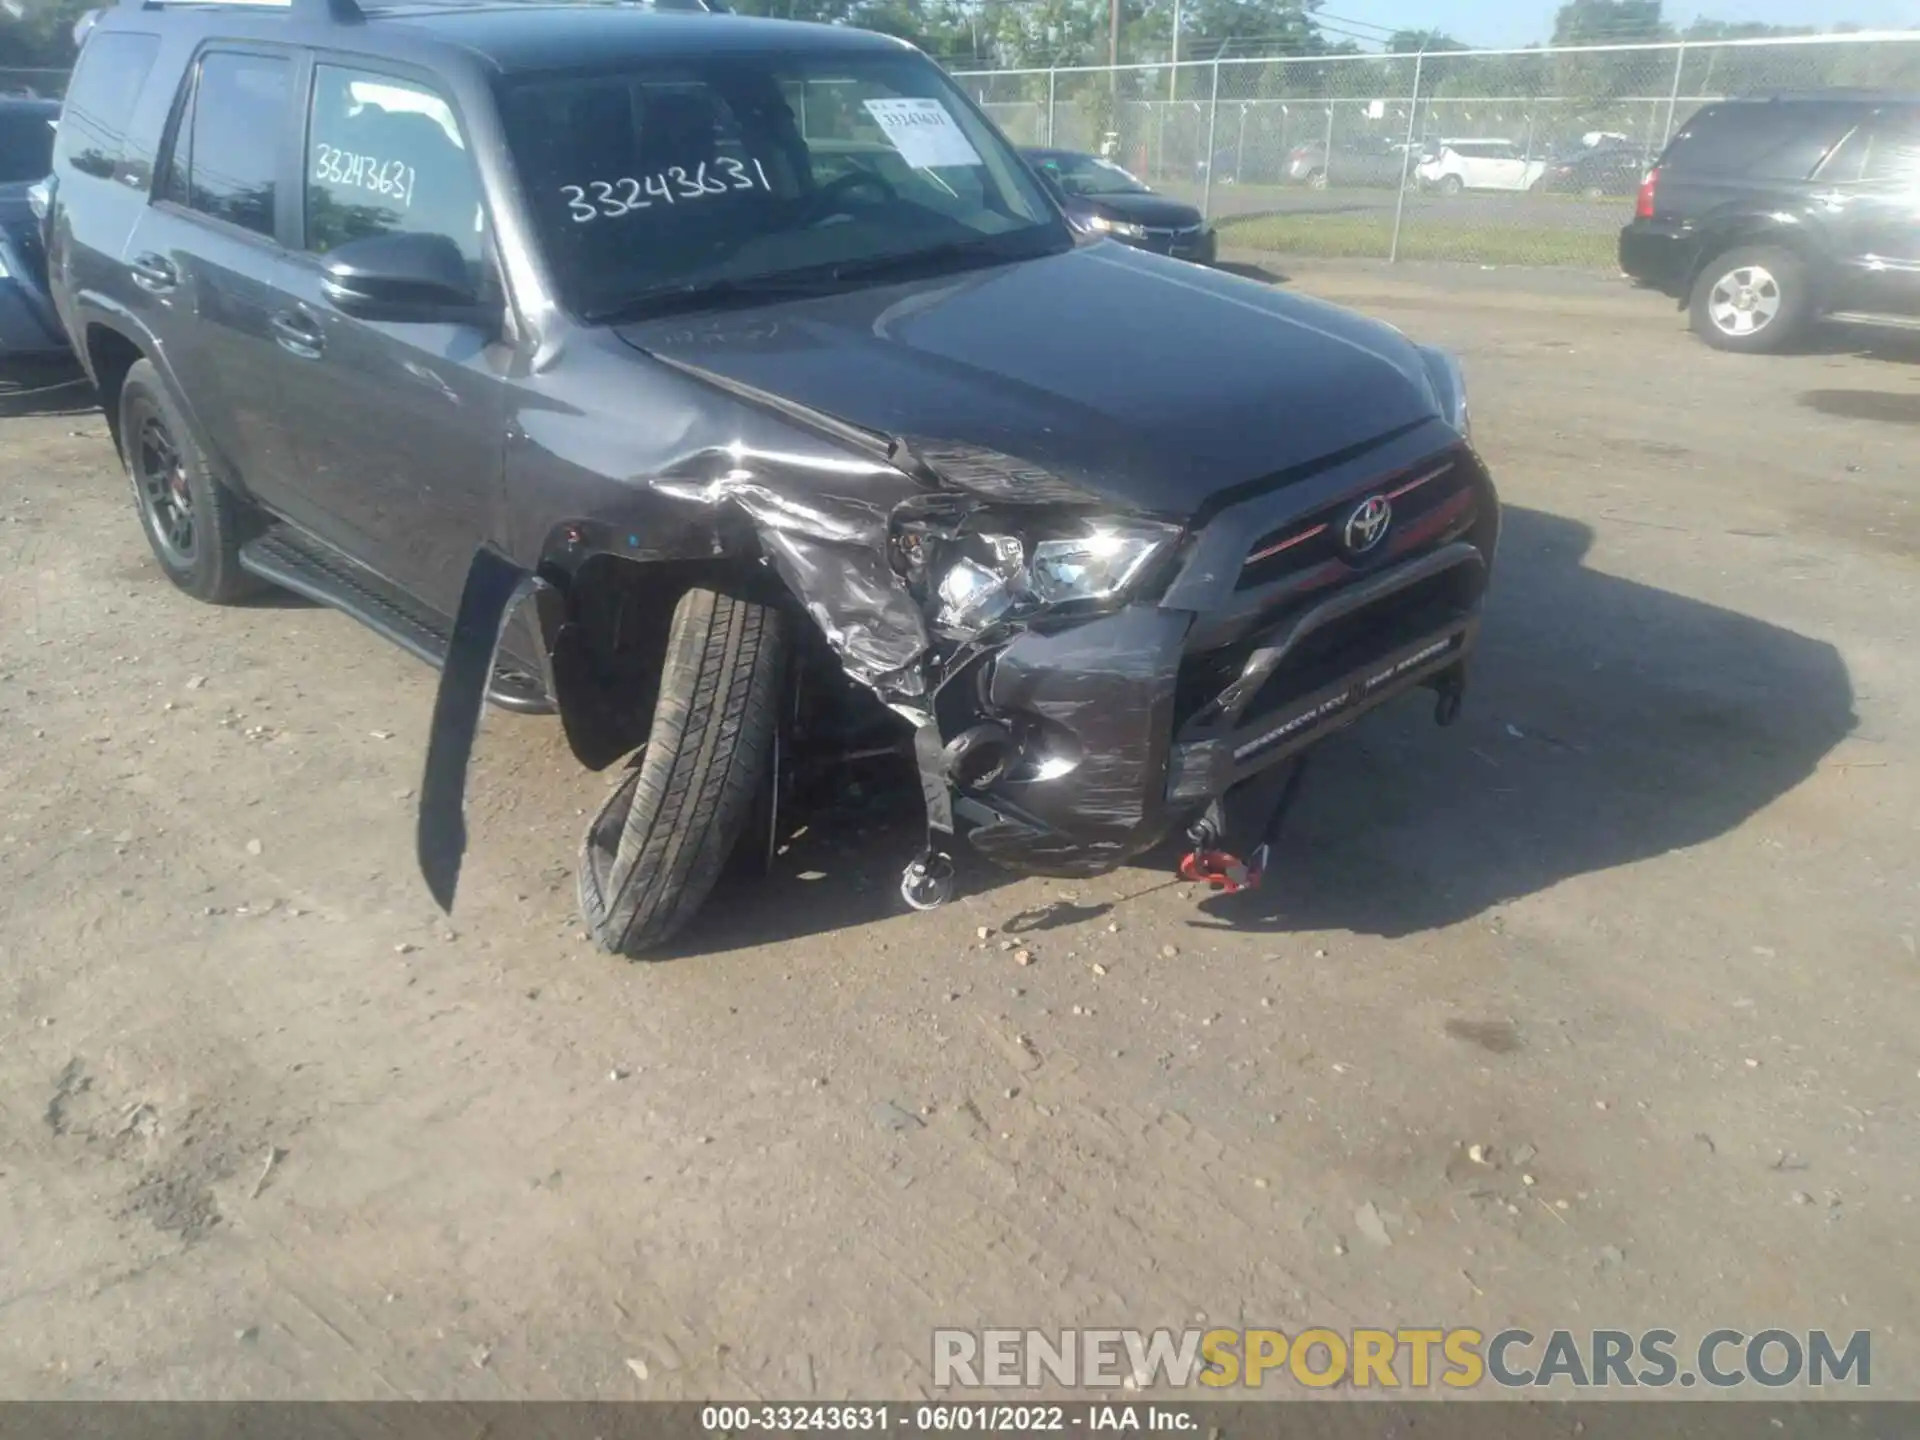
point(1042, 674)
point(1099, 683)
point(1081, 682)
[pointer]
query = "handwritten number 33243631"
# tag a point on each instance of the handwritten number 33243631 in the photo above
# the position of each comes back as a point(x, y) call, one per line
point(614, 198)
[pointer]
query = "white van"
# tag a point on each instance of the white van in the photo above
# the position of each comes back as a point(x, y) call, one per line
point(1466, 164)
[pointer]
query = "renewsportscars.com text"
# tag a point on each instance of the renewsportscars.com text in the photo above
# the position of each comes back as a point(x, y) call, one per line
point(1403, 1358)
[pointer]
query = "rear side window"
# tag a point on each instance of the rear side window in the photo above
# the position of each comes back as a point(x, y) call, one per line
point(1886, 151)
point(93, 122)
point(386, 157)
point(226, 159)
point(1763, 141)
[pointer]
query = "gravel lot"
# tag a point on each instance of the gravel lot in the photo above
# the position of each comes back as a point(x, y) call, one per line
point(1642, 927)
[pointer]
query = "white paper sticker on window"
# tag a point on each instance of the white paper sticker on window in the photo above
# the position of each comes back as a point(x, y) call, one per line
point(923, 132)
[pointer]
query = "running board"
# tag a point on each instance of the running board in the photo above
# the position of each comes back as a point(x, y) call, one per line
point(295, 562)
point(1881, 322)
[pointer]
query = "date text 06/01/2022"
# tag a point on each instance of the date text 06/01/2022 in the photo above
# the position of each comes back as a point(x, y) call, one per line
point(946, 1418)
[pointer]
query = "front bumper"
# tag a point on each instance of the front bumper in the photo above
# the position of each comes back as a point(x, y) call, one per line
point(1129, 725)
point(1199, 245)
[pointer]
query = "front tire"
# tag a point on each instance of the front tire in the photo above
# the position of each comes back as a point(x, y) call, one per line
point(1751, 300)
point(661, 841)
point(194, 524)
point(1451, 185)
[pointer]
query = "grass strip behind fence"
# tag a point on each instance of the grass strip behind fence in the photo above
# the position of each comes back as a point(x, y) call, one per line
point(1369, 237)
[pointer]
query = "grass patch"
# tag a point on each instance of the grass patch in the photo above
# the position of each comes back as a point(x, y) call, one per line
point(1369, 237)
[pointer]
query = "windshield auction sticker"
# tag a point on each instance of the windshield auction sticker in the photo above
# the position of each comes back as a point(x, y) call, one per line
point(923, 132)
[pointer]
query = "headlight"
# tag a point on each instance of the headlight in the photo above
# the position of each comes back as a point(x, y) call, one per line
point(4, 272)
point(1098, 565)
point(1117, 227)
point(1450, 388)
point(975, 578)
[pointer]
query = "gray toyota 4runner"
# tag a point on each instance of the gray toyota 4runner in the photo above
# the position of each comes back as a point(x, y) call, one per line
point(732, 388)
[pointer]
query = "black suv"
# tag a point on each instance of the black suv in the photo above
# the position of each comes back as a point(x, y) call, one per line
point(757, 361)
point(1765, 216)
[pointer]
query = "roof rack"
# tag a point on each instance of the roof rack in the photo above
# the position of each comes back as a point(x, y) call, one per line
point(337, 11)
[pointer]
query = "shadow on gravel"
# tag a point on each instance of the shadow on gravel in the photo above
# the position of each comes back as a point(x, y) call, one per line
point(1899, 347)
point(45, 389)
point(1606, 722)
point(1881, 406)
point(848, 840)
point(1247, 270)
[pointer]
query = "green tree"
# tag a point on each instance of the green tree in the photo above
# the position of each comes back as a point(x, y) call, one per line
point(1609, 22)
point(1412, 42)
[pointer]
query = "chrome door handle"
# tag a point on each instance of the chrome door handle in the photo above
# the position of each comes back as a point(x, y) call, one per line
point(155, 273)
point(297, 335)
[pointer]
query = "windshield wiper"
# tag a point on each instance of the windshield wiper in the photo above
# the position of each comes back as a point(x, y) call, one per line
point(705, 294)
point(951, 254)
point(815, 280)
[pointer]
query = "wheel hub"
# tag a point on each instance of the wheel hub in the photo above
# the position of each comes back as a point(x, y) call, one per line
point(164, 491)
point(1744, 300)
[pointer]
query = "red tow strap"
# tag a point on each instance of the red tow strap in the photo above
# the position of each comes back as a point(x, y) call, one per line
point(1220, 871)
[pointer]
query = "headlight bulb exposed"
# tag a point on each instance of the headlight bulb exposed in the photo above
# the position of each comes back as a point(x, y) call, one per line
point(979, 578)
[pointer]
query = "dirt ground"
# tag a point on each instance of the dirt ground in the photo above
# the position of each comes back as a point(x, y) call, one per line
point(1642, 927)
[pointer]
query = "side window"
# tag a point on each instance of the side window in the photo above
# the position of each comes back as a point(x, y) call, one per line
point(1849, 158)
point(385, 157)
point(100, 100)
point(1764, 140)
point(1883, 151)
point(232, 138)
point(1895, 156)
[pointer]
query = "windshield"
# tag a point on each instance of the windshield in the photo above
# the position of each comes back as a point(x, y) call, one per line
point(1090, 175)
point(26, 146)
point(665, 179)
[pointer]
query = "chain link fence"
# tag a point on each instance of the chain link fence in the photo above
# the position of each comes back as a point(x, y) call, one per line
point(1501, 157)
point(34, 84)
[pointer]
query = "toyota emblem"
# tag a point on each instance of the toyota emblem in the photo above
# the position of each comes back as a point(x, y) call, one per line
point(1366, 527)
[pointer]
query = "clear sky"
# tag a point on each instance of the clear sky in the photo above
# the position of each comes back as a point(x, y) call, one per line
point(1498, 23)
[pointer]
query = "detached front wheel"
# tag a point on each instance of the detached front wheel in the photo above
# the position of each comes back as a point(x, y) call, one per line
point(664, 836)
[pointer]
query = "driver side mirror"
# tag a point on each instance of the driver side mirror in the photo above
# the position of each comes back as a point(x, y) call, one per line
point(402, 277)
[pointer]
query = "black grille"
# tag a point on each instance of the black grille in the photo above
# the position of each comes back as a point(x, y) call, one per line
point(1345, 644)
point(1312, 540)
point(1333, 650)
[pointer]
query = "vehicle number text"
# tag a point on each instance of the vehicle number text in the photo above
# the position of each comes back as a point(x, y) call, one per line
point(390, 178)
point(673, 186)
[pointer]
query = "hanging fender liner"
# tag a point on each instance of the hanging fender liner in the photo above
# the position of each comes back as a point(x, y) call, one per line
point(494, 587)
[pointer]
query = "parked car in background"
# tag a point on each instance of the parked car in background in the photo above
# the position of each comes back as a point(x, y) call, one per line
point(1603, 170)
point(1765, 216)
point(1465, 164)
point(1363, 161)
point(29, 329)
point(1102, 198)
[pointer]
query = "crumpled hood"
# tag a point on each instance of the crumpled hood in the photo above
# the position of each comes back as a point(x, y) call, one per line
point(1145, 383)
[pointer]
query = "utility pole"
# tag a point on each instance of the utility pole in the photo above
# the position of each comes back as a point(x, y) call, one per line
point(1173, 70)
point(1113, 56)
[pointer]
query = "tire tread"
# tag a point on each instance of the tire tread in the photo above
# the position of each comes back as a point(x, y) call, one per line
point(681, 812)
